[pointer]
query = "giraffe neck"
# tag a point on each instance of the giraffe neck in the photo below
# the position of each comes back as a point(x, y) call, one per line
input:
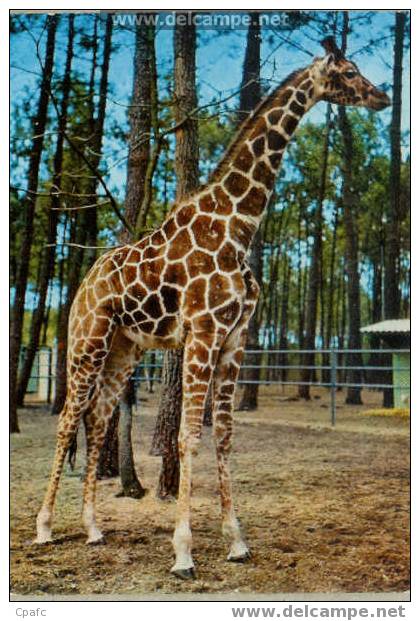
point(243, 182)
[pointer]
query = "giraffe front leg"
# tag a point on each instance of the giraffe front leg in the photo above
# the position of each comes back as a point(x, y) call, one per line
point(197, 373)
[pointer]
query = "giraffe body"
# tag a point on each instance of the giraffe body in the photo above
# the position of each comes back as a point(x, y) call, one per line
point(188, 285)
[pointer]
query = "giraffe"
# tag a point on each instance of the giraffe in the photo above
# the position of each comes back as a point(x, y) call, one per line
point(188, 285)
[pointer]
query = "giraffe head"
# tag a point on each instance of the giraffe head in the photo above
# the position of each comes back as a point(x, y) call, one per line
point(341, 82)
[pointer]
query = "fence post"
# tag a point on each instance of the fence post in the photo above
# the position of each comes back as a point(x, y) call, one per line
point(333, 384)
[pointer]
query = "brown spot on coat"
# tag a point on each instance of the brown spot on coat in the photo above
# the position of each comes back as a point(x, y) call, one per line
point(130, 303)
point(133, 256)
point(258, 146)
point(275, 116)
point(130, 273)
point(208, 232)
point(207, 203)
point(284, 97)
point(241, 231)
point(204, 324)
point(152, 306)
point(202, 373)
point(276, 142)
point(227, 257)
point(170, 228)
point(219, 290)
point(275, 159)
point(175, 273)
point(147, 326)
point(305, 85)
point(260, 128)
point(296, 108)
point(165, 326)
point(200, 352)
point(180, 245)
point(223, 202)
point(301, 97)
point(137, 291)
point(199, 262)
point(289, 124)
point(263, 174)
point(170, 298)
point(185, 215)
point(139, 316)
point(228, 314)
point(244, 159)
point(253, 203)
point(150, 272)
point(236, 184)
point(157, 238)
point(195, 296)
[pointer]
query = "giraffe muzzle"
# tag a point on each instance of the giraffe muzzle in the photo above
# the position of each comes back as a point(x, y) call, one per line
point(379, 100)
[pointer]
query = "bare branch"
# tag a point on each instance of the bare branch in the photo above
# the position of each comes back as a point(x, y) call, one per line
point(80, 207)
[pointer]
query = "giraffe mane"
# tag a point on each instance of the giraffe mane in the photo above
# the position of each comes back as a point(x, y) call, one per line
point(247, 125)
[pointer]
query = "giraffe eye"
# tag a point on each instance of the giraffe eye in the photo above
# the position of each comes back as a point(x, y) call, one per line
point(350, 74)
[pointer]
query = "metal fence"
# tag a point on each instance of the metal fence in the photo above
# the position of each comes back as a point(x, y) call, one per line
point(332, 369)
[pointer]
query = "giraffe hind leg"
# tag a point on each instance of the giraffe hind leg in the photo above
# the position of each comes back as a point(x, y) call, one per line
point(86, 357)
point(225, 382)
point(119, 365)
point(68, 423)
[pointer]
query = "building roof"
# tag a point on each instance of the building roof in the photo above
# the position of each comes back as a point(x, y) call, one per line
point(395, 326)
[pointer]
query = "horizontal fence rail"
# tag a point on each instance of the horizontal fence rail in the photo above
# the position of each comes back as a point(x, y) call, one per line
point(332, 369)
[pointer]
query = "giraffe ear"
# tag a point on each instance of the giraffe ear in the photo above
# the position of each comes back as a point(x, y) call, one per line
point(325, 62)
point(330, 46)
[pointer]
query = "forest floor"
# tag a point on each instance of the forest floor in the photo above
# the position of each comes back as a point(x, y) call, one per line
point(323, 509)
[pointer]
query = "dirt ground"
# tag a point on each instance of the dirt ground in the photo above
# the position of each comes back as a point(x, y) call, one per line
point(323, 509)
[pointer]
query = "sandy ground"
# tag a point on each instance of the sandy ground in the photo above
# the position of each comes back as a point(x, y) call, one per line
point(323, 510)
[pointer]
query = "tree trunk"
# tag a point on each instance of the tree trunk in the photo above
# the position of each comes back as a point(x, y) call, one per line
point(332, 290)
point(308, 358)
point(130, 484)
point(83, 222)
point(48, 259)
point(392, 295)
point(392, 244)
point(28, 207)
point(165, 440)
point(138, 160)
point(78, 235)
point(249, 97)
point(354, 359)
point(96, 143)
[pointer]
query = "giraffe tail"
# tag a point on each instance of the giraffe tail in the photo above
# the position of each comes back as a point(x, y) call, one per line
point(72, 451)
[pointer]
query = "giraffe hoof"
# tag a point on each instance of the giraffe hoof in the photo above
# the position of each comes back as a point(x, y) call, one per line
point(100, 541)
point(184, 574)
point(241, 558)
point(42, 541)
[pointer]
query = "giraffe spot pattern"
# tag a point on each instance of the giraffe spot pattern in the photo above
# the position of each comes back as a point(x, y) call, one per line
point(223, 203)
point(180, 245)
point(236, 184)
point(200, 262)
point(208, 232)
point(253, 204)
point(187, 278)
point(244, 159)
point(263, 174)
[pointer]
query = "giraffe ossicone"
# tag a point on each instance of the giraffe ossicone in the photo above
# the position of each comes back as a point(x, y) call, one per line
point(188, 285)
